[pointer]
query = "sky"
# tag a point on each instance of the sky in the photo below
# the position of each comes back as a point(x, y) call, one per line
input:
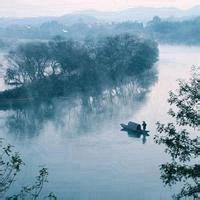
point(31, 8)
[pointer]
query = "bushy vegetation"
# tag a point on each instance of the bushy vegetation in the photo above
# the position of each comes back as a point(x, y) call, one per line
point(4, 44)
point(181, 141)
point(10, 165)
point(177, 32)
point(163, 30)
point(76, 31)
point(61, 67)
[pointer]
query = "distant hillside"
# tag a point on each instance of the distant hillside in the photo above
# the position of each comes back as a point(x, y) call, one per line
point(35, 21)
point(68, 20)
point(141, 14)
point(175, 32)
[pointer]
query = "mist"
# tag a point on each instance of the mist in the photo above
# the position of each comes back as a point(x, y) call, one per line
point(99, 99)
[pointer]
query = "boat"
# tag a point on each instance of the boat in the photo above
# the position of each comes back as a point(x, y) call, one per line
point(135, 128)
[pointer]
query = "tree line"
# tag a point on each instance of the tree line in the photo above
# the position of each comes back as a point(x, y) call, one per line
point(60, 66)
point(163, 30)
point(175, 32)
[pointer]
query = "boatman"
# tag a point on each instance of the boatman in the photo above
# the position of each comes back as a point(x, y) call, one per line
point(144, 125)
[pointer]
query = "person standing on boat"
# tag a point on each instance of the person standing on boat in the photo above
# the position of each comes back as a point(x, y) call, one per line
point(144, 125)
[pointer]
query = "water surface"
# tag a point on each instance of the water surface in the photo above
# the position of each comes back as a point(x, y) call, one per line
point(87, 155)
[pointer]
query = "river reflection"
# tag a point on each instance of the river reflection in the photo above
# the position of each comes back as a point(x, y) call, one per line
point(77, 115)
point(135, 135)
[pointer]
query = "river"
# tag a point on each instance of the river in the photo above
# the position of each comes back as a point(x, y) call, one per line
point(103, 162)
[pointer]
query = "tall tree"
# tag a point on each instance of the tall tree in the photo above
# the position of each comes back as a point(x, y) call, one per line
point(181, 140)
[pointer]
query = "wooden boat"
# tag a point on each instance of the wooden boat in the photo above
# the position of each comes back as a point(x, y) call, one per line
point(134, 128)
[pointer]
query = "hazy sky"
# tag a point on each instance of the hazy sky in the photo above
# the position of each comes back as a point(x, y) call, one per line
point(24, 8)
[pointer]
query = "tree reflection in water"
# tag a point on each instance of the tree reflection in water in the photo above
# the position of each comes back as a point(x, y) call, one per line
point(29, 119)
point(181, 140)
point(80, 113)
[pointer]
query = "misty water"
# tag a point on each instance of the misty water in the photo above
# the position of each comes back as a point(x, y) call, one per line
point(87, 155)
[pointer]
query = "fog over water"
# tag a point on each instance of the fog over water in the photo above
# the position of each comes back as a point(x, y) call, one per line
point(87, 155)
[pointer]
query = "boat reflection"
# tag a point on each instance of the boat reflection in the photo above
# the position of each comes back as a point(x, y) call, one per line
point(137, 135)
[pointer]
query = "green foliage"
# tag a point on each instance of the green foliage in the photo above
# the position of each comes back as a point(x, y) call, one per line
point(34, 192)
point(178, 32)
point(125, 55)
point(187, 102)
point(77, 31)
point(167, 31)
point(61, 67)
point(4, 44)
point(181, 144)
point(28, 63)
point(10, 165)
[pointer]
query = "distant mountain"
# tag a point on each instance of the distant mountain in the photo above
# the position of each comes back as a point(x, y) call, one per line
point(77, 18)
point(25, 21)
point(141, 14)
point(195, 11)
point(68, 19)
